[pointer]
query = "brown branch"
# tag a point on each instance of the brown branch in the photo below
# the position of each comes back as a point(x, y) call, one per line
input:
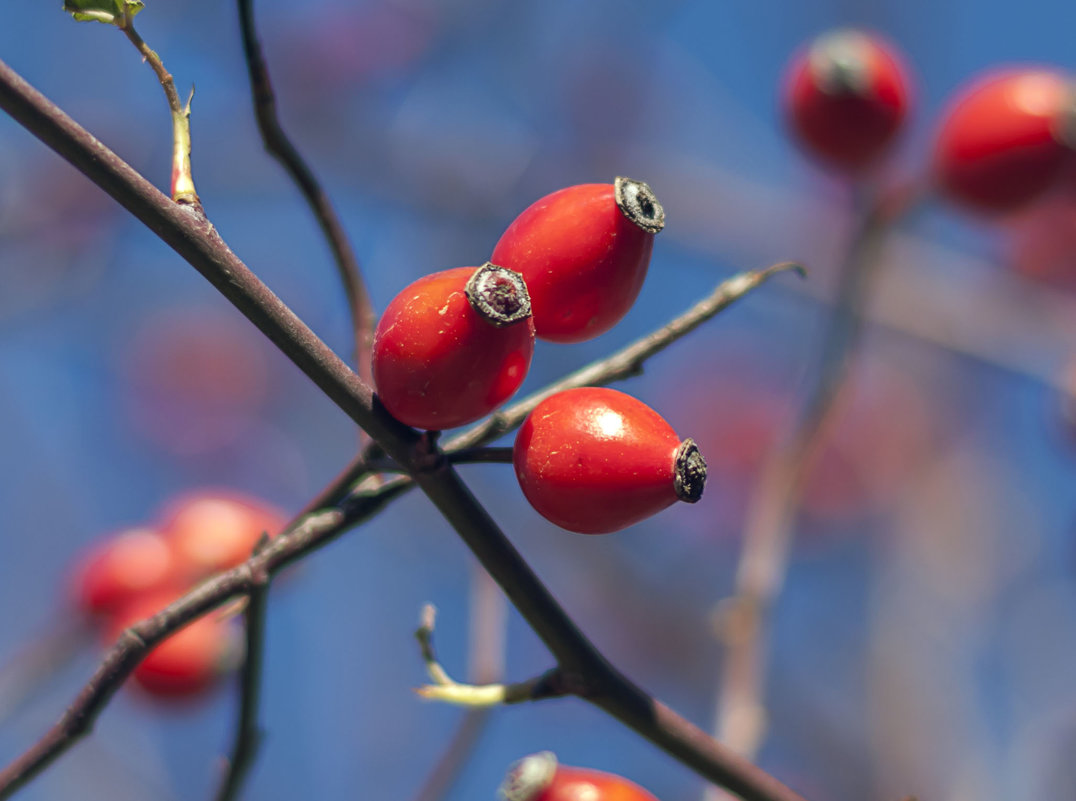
point(743, 618)
point(190, 234)
point(248, 734)
point(281, 148)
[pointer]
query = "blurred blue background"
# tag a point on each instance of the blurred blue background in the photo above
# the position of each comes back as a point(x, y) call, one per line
point(926, 639)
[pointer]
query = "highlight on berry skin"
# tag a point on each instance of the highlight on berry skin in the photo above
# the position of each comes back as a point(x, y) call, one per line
point(846, 97)
point(595, 460)
point(584, 252)
point(1006, 139)
point(539, 777)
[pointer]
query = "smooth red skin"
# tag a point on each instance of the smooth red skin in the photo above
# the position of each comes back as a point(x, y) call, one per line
point(992, 153)
point(437, 363)
point(185, 665)
point(114, 573)
point(580, 784)
point(596, 460)
point(216, 530)
point(584, 261)
point(848, 131)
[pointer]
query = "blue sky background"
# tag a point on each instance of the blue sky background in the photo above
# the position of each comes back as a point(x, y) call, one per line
point(926, 638)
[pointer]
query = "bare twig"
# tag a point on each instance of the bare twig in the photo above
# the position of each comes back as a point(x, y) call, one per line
point(488, 628)
point(248, 734)
point(445, 688)
point(182, 176)
point(626, 362)
point(742, 619)
point(194, 239)
point(281, 148)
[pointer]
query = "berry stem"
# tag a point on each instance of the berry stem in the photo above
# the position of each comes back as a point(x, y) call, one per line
point(182, 178)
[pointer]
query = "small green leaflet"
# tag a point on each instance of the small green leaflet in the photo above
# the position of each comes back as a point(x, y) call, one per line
point(110, 12)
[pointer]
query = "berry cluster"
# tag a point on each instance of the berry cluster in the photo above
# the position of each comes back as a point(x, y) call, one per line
point(139, 571)
point(1004, 140)
point(455, 345)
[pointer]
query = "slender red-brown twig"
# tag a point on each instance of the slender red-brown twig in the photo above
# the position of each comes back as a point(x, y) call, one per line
point(770, 517)
point(280, 147)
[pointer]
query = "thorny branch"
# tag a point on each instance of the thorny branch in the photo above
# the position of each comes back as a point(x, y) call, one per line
point(182, 175)
point(190, 235)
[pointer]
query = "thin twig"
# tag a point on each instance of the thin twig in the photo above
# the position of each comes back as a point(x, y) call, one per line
point(193, 238)
point(444, 688)
point(182, 175)
point(488, 628)
point(624, 363)
point(742, 619)
point(281, 148)
point(248, 733)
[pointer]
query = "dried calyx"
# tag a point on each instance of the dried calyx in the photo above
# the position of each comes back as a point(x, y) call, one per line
point(528, 777)
point(690, 468)
point(639, 204)
point(840, 62)
point(499, 295)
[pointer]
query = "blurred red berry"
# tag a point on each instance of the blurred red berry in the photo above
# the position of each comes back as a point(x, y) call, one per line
point(126, 566)
point(846, 97)
point(215, 530)
point(1002, 141)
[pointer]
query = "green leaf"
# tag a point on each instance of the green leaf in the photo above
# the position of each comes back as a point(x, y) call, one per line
point(110, 12)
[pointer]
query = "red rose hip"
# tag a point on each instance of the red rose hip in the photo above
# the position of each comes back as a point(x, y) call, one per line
point(453, 346)
point(846, 97)
point(538, 777)
point(595, 460)
point(1005, 139)
point(583, 252)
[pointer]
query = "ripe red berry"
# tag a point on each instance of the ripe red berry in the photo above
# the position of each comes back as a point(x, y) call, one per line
point(185, 664)
point(115, 572)
point(583, 252)
point(1002, 141)
point(216, 530)
point(538, 777)
point(846, 97)
point(595, 460)
point(453, 346)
